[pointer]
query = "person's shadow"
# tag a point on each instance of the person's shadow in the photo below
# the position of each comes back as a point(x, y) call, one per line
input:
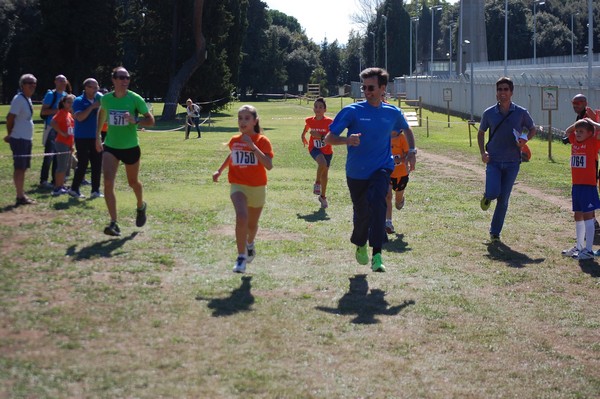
point(502, 252)
point(590, 267)
point(396, 243)
point(240, 300)
point(316, 216)
point(366, 306)
point(101, 249)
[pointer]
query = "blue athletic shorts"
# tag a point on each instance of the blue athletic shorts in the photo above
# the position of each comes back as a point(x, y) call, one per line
point(585, 198)
point(315, 152)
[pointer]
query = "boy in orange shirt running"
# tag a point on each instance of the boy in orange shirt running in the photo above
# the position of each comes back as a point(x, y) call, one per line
point(322, 153)
point(250, 158)
point(584, 161)
point(398, 178)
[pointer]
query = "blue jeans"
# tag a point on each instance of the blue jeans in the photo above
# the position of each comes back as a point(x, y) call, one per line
point(368, 202)
point(499, 180)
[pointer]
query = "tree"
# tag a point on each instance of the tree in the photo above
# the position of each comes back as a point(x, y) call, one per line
point(179, 78)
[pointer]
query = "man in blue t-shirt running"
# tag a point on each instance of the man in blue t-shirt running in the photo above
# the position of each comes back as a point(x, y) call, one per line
point(369, 162)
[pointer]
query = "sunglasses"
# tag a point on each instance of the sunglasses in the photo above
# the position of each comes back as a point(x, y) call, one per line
point(29, 82)
point(503, 89)
point(367, 88)
point(122, 77)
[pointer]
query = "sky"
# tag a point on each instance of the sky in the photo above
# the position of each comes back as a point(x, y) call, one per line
point(321, 18)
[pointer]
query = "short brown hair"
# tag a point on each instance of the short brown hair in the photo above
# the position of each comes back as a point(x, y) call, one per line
point(582, 123)
point(382, 75)
point(507, 81)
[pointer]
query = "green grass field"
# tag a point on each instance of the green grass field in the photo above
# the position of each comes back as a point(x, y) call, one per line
point(157, 312)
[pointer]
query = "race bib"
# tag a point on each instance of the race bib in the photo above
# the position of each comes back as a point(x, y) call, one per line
point(117, 118)
point(70, 131)
point(319, 143)
point(243, 158)
point(578, 161)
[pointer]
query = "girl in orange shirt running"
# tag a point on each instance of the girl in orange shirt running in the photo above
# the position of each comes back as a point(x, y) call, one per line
point(250, 157)
point(322, 153)
point(398, 178)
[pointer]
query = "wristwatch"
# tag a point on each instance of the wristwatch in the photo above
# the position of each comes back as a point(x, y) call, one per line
point(412, 151)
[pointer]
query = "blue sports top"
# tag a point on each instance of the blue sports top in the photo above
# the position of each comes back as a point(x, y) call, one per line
point(52, 100)
point(87, 128)
point(503, 147)
point(375, 124)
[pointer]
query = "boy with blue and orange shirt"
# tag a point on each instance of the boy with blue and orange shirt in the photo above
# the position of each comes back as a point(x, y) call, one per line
point(584, 166)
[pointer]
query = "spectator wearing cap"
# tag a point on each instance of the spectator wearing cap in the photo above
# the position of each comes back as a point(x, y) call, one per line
point(19, 127)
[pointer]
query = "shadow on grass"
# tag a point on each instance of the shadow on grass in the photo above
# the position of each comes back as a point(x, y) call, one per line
point(71, 202)
point(396, 243)
point(240, 300)
point(590, 267)
point(316, 216)
point(502, 252)
point(364, 304)
point(102, 249)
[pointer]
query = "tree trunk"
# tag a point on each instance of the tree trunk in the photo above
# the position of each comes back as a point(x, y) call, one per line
point(179, 79)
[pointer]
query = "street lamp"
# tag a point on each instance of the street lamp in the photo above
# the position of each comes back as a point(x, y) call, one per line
point(535, 3)
point(590, 52)
point(433, 10)
point(505, 37)
point(385, 40)
point(572, 37)
point(450, 53)
point(416, 19)
point(471, 74)
point(373, 34)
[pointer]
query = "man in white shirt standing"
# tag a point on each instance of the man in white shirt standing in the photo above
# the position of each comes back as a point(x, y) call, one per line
point(19, 127)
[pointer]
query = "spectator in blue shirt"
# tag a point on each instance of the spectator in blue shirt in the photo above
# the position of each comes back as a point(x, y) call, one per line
point(85, 109)
point(369, 162)
point(49, 109)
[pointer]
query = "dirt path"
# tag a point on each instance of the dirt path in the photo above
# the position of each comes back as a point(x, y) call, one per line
point(456, 168)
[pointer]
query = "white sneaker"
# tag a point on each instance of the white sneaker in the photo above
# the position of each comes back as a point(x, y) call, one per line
point(240, 265)
point(389, 227)
point(317, 189)
point(76, 194)
point(570, 252)
point(323, 202)
point(250, 253)
point(584, 254)
point(96, 194)
point(59, 191)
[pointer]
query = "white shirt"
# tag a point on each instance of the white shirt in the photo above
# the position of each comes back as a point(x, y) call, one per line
point(22, 108)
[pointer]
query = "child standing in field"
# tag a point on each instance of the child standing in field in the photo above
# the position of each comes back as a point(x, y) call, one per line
point(322, 153)
point(250, 157)
point(584, 163)
point(398, 178)
point(63, 124)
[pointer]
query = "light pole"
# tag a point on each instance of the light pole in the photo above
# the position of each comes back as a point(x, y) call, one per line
point(450, 53)
point(471, 74)
point(417, 56)
point(410, 53)
point(505, 37)
point(460, 40)
point(373, 34)
point(360, 51)
point(590, 52)
point(572, 37)
point(433, 10)
point(385, 40)
point(535, 3)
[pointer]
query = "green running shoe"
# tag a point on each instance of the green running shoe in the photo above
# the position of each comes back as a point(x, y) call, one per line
point(362, 256)
point(377, 264)
point(485, 203)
